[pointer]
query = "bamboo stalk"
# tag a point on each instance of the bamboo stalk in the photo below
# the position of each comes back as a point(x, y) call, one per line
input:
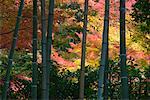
point(34, 50)
point(124, 78)
point(139, 95)
point(49, 41)
point(11, 53)
point(104, 52)
point(44, 74)
point(106, 80)
point(82, 72)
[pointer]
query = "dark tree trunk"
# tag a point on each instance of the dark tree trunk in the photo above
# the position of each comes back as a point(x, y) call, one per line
point(82, 72)
point(49, 42)
point(104, 55)
point(44, 69)
point(34, 50)
point(11, 53)
point(124, 78)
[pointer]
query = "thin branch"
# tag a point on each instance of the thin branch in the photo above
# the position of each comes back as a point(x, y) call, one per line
point(3, 33)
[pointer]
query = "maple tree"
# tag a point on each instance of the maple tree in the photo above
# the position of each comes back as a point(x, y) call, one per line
point(96, 36)
point(94, 25)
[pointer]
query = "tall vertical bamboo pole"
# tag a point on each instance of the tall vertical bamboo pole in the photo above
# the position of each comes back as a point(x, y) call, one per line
point(82, 73)
point(11, 53)
point(44, 74)
point(124, 78)
point(104, 52)
point(106, 80)
point(49, 40)
point(34, 50)
point(1, 21)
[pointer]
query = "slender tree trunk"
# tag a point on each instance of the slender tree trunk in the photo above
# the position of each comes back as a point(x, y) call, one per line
point(139, 95)
point(130, 87)
point(1, 20)
point(34, 50)
point(106, 80)
point(11, 53)
point(44, 74)
point(82, 73)
point(124, 78)
point(49, 41)
point(104, 52)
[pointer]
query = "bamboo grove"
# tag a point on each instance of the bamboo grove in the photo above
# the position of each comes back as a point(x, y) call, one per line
point(47, 29)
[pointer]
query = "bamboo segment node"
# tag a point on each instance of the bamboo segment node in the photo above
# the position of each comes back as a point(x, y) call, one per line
point(34, 86)
point(34, 39)
point(35, 16)
point(34, 62)
point(19, 17)
point(124, 77)
point(11, 60)
point(122, 55)
point(7, 82)
point(15, 38)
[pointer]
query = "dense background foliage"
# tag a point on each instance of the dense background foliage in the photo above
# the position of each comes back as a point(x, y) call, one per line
point(66, 52)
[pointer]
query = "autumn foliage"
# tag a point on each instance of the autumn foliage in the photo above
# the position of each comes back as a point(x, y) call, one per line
point(63, 19)
point(67, 36)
